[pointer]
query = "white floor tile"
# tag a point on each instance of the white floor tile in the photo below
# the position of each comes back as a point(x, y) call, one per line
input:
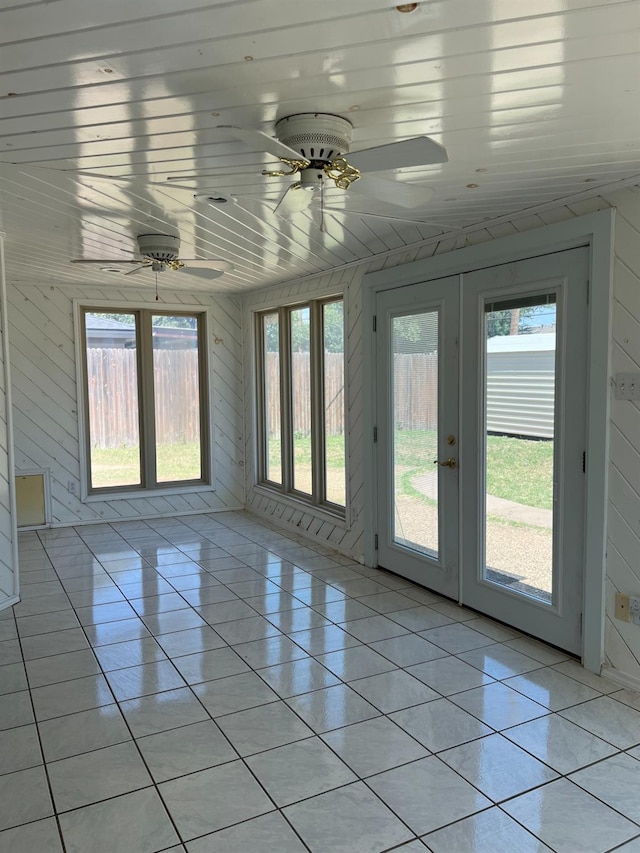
point(498, 706)
point(551, 689)
point(136, 821)
point(212, 799)
point(559, 743)
point(24, 796)
point(427, 794)
point(615, 781)
point(98, 775)
point(332, 708)
point(19, 749)
point(63, 737)
point(440, 725)
point(374, 746)
point(568, 819)
point(299, 770)
point(393, 691)
point(610, 720)
point(269, 832)
point(491, 831)
point(349, 820)
point(185, 750)
point(497, 767)
point(30, 837)
point(264, 727)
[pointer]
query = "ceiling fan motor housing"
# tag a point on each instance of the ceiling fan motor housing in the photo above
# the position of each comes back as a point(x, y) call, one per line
point(319, 137)
point(159, 247)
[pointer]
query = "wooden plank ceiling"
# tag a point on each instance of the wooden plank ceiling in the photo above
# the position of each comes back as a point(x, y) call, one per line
point(102, 102)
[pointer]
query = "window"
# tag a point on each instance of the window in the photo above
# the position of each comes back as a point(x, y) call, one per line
point(144, 399)
point(301, 420)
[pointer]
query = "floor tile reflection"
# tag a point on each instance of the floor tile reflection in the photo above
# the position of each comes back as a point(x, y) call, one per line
point(209, 682)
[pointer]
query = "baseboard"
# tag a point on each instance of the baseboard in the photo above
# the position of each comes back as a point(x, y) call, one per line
point(622, 678)
point(9, 602)
point(298, 531)
point(56, 525)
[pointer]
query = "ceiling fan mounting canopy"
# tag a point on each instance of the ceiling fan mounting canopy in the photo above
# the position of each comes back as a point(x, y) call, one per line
point(159, 247)
point(319, 137)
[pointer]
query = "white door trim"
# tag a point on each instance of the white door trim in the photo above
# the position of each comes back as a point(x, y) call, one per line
point(595, 231)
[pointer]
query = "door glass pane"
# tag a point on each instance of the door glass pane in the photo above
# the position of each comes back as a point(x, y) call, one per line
point(301, 399)
point(333, 377)
point(271, 426)
point(112, 399)
point(520, 393)
point(176, 378)
point(415, 431)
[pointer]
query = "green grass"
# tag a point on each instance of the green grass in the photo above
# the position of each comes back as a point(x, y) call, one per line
point(121, 465)
point(518, 470)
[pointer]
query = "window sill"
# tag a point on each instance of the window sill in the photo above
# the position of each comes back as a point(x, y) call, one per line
point(338, 518)
point(146, 493)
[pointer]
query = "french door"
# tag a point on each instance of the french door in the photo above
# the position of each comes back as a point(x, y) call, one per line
point(481, 409)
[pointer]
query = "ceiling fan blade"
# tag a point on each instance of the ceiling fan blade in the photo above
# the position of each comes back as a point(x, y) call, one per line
point(208, 273)
point(137, 269)
point(419, 151)
point(262, 141)
point(209, 264)
point(294, 200)
point(108, 262)
point(392, 192)
point(348, 211)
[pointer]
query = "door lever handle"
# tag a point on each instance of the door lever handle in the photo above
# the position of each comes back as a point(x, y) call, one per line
point(448, 463)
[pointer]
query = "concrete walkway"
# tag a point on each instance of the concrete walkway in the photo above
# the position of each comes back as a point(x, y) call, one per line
point(426, 484)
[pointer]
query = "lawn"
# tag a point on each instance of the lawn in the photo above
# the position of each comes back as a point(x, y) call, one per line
point(518, 470)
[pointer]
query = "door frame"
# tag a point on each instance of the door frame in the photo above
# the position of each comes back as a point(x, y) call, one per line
point(596, 232)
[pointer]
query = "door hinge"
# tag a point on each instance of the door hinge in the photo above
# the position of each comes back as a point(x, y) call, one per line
point(584, 462)
point(588, 290)
point(375, 323)
point(375, 542)
point(375, 434)
point(581, 621)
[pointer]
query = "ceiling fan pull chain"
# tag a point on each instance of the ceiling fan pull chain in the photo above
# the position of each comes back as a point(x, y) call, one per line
point(342, 173)
point(295, 166)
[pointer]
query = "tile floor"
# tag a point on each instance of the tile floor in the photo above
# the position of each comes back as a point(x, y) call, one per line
point(210, 684)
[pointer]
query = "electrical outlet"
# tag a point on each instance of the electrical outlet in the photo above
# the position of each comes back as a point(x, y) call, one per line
point(622, 607)
point(634, 609)
point(627, 386)
point(71, 487)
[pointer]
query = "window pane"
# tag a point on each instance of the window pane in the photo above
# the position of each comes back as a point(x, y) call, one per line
point(112, 399)
point(271, 391)
point(301, 399)
point(333, 347)
point(519, 454)
point(176, 378)
point(415, 431)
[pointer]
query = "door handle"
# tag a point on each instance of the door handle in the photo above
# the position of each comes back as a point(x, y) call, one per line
point(448, 463)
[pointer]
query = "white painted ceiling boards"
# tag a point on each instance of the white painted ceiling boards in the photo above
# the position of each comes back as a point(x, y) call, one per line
point(102, 100)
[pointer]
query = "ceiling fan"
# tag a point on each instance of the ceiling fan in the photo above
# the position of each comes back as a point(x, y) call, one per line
point(314, 148)
point(160, 252)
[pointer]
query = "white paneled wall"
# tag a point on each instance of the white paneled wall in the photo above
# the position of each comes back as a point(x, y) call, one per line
point(8, 567)
point(46, 401)
point(622, 641)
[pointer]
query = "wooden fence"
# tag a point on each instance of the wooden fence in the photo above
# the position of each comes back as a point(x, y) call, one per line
point(416, 398)
point(113, 397)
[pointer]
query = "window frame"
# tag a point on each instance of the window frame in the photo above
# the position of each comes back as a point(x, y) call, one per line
point(317, 497)
point(148, 484)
